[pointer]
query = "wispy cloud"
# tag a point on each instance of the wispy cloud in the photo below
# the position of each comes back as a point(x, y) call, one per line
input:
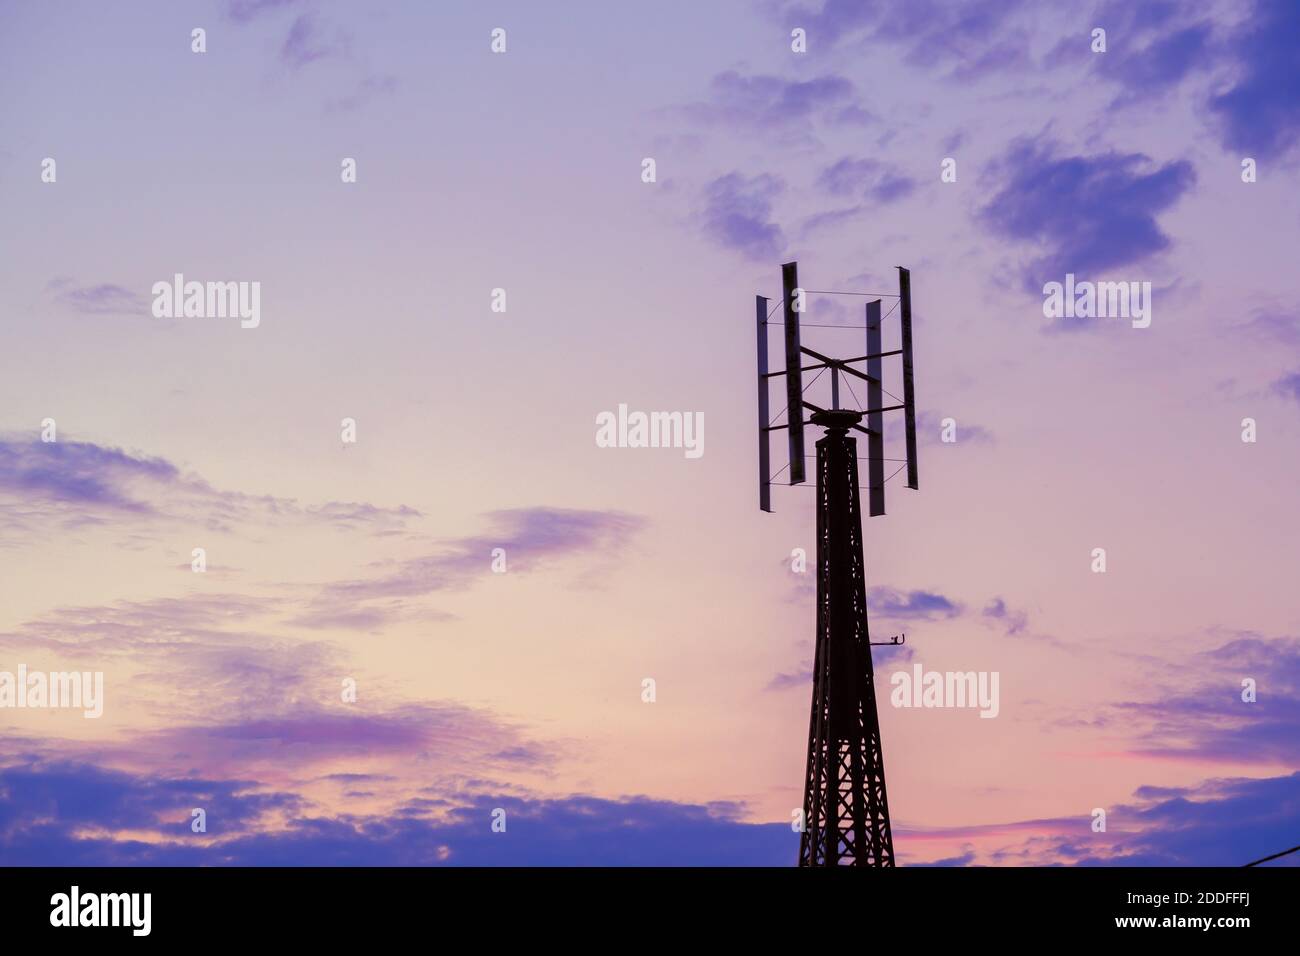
point(867, 179)
point(369, 88)
point(891, 605)
point(527, 536)
point(966, 38)
point(237, 697)
point(766, 103)
point(1151, 48)
point(102, 299)
point(307, 43)
point(1288, 386)
point(930, 430)
point(738, 215)
point(442, 737)
point(182, 654)
point(245, 11)
point(1196, 710)
point(1014, 621)
point(1271, 326)
point(72, 484)
point(787, 680)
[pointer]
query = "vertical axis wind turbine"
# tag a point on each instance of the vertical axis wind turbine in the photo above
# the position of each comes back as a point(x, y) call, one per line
point(845, 807)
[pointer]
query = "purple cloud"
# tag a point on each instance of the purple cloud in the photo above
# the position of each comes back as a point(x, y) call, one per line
point(738, 215)
point(1288, 386)
point(447, 738)
point(1087, 214)
point(304, 43)
point(766, 103)
point(1151, 47)
point(889, 604)
point(80, 473)
point(867, 179)
point(1218, 823)
point(182, 654)
point(103, 299)
point(149, 627)
point(1159, 66)
point(1014, 622)
point(1222, 822)
point(1201, 715)
point(369, 88)
point(1259, 115)
point(930, 430)
point(76, 483)
point(65, 815)
point(528, 536)
point(970, 37)
point(40, 798)
point(237, 698)
point(829, 218)
point(243, 11)
point(784, 681)
point(848, 176)
point(1271, 325)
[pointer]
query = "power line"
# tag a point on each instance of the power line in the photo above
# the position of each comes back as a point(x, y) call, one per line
point(853, 393)
point(878, 295)
point(805, 388)
point(813, 325)
point(1274, 856)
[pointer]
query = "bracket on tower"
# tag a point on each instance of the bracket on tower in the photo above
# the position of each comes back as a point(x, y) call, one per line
point(895, 641)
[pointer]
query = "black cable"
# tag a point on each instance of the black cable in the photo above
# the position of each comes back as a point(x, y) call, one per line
point(1274, 856)
point(879, 295)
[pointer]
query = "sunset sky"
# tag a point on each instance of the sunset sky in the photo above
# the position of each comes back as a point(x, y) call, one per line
point(522, 691)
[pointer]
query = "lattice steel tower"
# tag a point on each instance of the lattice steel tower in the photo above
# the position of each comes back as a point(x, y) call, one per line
point(845, 807)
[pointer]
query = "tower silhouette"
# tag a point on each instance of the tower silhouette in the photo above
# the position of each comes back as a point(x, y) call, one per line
point(845, 808)
point(845, 819)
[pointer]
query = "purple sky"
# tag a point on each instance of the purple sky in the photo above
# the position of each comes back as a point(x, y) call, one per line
point(521, 689)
